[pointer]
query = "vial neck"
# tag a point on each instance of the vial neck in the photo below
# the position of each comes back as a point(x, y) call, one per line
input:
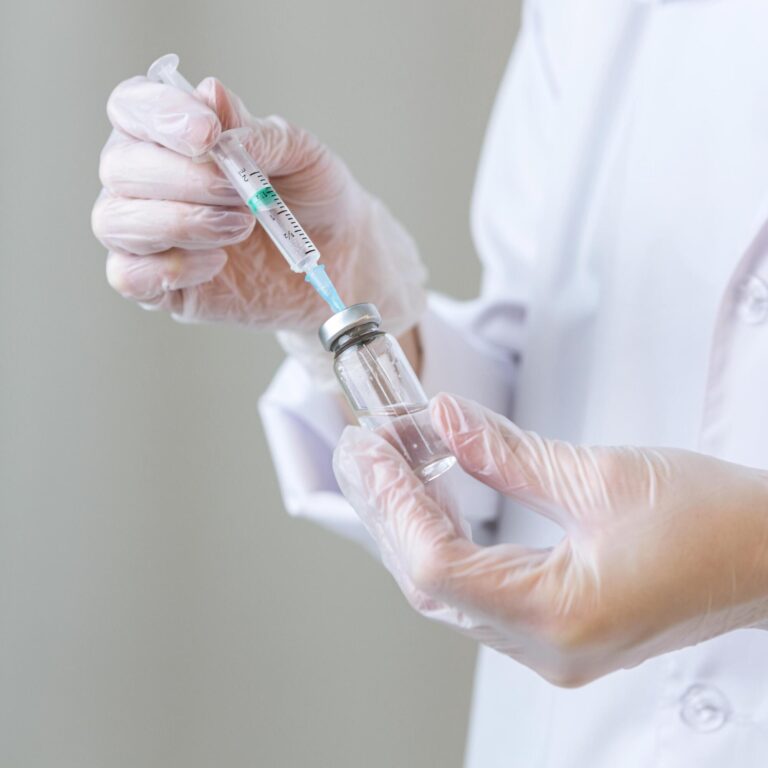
point(355, 336)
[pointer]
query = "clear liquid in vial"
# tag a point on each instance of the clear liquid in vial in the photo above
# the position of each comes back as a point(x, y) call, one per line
point(409, 429)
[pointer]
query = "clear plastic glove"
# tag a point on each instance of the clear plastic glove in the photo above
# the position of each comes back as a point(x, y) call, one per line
point(180, 239)
point(661, 548)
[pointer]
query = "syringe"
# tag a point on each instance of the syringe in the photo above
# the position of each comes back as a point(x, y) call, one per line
point(258, 194)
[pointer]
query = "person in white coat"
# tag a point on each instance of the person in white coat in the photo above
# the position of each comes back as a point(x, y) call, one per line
point(621, 216)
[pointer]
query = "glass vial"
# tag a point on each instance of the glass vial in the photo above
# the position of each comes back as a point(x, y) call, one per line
point(382, 388)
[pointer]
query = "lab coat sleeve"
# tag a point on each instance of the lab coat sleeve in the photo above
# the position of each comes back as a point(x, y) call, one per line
point(303, 424)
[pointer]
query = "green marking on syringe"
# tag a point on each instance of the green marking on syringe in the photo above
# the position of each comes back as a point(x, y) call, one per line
point(265, 198)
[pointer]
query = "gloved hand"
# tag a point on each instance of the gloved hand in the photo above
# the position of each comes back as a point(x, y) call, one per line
point(180, 239)
point(661, 548)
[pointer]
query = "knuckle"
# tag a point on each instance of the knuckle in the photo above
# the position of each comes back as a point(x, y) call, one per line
point(202, 132)
point(108, 168)
point(278, 123)
point(116, 99)
point(99, 219)
point(116, 274)
point(281, 144)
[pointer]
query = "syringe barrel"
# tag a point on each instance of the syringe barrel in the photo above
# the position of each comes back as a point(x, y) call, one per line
point(251, 184)
point(238, 166)
point(272, 213)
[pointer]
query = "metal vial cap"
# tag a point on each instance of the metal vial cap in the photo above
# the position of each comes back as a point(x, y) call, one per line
point(347, 320)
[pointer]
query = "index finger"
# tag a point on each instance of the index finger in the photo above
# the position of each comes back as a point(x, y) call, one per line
point(509, 582)
point(156, 112)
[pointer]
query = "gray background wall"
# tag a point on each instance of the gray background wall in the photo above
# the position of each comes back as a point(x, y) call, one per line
point(157, 607)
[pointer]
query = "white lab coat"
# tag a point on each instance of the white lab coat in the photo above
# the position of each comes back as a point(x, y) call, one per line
point(621, 215)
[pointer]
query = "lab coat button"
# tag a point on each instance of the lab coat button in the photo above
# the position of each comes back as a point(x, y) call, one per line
point(704, 708)
point(752, 300)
